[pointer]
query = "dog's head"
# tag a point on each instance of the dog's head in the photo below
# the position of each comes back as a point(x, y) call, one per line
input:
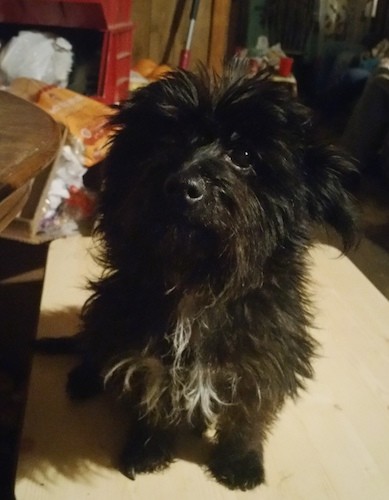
point(208, 180)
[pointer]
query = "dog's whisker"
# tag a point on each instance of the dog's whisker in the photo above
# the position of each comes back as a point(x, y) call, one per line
point(171, 290)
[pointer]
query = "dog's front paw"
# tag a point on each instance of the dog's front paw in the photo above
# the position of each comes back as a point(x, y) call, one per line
point(145, 456)
point(243, 471)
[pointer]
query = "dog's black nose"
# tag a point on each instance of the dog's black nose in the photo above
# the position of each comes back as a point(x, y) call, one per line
point(188, 188)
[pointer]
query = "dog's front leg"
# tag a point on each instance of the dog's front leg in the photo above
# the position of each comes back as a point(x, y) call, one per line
point(148, 449)
point(237, 458)
point(84, 381)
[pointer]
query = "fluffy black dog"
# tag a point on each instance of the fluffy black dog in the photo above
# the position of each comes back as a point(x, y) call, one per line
point(211, 190)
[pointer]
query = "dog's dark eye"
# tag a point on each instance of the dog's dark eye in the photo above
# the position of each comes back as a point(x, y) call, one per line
point(241, 159)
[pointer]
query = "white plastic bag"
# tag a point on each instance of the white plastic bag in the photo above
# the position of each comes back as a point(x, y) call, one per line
point(41, 56)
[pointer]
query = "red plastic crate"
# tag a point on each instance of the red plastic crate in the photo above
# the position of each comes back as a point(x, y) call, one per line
point(111, 17)
point(90, 14)
point(114, 78)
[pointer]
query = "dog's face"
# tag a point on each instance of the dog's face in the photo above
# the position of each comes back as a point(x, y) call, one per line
point(209, 181)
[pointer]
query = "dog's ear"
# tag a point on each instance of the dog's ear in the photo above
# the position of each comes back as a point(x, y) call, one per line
point(329, 175)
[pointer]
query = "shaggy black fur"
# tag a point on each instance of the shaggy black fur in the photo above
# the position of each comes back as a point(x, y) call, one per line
point(211, 190)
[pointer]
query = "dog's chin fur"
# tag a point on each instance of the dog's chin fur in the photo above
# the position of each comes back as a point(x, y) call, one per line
point(180, 390)
point(211, 190)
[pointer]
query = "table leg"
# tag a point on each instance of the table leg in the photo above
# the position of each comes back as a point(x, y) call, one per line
point(21, 280)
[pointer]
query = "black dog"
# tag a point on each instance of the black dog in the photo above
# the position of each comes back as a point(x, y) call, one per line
point(210, 193)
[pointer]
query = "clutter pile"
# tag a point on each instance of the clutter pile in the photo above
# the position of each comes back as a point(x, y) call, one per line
point(36, 67)
point(264, 56)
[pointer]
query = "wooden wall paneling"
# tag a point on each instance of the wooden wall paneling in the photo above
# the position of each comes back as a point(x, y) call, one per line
point(153, 20)
point(162, 13)
point(202, 32)
point(141, 17)
point(218, 38)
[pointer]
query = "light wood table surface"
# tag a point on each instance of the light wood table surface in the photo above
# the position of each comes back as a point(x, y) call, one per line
point(333, 444)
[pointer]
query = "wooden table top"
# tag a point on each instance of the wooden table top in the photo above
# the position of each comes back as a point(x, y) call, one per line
point(333, 444)
point(29, 142)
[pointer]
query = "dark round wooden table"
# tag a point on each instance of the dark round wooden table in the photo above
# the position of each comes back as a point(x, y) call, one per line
point(29, 142)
